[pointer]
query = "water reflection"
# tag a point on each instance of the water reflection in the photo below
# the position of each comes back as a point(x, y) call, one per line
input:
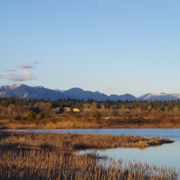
point(166, 155)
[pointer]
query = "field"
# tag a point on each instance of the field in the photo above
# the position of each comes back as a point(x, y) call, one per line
point(54, 156)
point(70, 122)
point(70, 114)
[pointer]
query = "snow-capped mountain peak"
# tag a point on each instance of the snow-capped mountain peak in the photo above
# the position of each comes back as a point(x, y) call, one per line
point(162, 96)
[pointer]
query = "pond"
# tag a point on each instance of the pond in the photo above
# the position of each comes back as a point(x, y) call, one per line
point(166, 155)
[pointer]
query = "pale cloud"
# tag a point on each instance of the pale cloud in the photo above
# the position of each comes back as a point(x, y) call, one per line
point(27, 65)
point(26, 73)
point(36, 62)
point(10, 70)
point(24, 76)
point(24, 67)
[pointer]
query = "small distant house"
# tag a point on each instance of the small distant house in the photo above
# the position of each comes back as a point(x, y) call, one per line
point(55, 109)
point(67, 109)
point(76, 110)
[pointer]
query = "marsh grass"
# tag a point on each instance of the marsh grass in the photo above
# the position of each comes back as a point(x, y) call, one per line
point(51, 156)
point(53, 165)
point(72, 141)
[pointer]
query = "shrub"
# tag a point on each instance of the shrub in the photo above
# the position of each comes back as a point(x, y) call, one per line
point(43, 115)
point(17, 117)
point(77, 115)
point(60, 111)
point(97, 115)
point(31, 116)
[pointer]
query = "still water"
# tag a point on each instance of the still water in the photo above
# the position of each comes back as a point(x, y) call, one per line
point(166, 155)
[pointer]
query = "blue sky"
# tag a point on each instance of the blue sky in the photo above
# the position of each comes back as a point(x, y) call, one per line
point(111, 46)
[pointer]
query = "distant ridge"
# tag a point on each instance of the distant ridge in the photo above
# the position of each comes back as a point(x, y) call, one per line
point(39, 92)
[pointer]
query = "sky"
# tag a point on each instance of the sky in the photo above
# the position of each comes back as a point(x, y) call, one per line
point(110, 46)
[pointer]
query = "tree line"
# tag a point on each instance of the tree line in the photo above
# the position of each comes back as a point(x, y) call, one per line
point(72, 103)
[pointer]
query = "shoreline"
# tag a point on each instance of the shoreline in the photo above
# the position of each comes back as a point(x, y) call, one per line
point(70, 128)
point(77, 141)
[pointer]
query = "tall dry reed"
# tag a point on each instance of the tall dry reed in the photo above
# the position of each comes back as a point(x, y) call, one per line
point(53, 165)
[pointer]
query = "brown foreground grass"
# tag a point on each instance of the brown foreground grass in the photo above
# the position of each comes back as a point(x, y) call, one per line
point(53, 165)
point(51, 156)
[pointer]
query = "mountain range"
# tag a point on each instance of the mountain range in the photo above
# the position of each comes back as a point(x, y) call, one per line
point(39, 92)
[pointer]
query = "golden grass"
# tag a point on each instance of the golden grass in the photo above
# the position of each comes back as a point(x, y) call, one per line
point(51, 156)
point(53, 165)
point(89, 122)
point(72, 141)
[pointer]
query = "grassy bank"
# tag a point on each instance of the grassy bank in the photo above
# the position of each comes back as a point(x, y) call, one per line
point(69, 142)
point(60, 122)
point(51, 156)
